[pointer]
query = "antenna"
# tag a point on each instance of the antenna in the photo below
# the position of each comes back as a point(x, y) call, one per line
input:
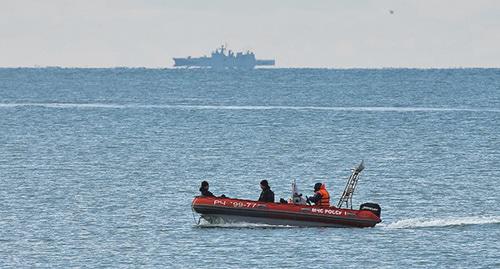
point(224, 47)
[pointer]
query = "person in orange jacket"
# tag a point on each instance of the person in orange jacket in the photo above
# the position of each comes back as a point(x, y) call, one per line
point(321, 196)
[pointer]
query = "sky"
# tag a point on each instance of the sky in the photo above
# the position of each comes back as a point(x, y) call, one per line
point(314, 33)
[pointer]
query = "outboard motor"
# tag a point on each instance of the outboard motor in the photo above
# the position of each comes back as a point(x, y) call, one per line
point(375, 208)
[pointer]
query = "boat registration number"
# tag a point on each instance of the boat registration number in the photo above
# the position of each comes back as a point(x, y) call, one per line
point(236, 204)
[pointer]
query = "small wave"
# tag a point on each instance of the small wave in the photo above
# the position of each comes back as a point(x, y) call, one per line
point(205, 224)
point(241, 225)
point(61, 105)
point(442, 222)
point(229, 107)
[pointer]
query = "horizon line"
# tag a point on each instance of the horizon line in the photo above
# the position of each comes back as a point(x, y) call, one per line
point(257, 68)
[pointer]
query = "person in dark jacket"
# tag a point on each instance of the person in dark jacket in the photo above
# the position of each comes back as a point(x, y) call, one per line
point(204, 189)
point(267, 195)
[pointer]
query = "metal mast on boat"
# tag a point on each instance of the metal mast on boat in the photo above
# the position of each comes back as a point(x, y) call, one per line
point(346, 197)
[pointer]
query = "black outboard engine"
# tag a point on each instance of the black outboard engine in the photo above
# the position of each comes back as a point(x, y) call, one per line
point(375, 208)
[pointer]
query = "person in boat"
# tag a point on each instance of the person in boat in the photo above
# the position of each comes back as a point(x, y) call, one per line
point(267, 195)
point(204, 189)
point(321, 196)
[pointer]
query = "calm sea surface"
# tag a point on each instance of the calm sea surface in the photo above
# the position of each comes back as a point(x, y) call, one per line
point(98, 167)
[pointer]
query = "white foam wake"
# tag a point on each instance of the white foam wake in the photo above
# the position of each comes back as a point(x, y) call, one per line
point(442, 222)
point(227, 107)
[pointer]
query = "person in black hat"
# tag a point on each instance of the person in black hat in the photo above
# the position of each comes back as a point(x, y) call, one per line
point(267, 195)
point(204, 189)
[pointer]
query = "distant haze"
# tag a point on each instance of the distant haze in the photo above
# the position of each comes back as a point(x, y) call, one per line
point(334, 34)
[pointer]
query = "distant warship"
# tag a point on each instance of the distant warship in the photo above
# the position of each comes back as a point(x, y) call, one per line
point(222, 60)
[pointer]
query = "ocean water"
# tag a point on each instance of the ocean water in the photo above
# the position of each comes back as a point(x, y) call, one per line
point(98, 167)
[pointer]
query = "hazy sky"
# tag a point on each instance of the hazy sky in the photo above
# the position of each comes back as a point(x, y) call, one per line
point(350, 33)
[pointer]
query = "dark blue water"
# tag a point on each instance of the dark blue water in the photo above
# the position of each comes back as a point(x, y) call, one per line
point(98, 166)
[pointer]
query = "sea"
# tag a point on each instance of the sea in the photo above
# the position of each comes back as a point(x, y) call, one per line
point(98, 167)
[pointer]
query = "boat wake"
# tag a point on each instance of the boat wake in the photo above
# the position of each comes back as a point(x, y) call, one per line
point(412, 223)
point(441, 222)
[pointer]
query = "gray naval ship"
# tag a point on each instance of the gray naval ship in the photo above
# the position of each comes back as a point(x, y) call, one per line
point(222, 60)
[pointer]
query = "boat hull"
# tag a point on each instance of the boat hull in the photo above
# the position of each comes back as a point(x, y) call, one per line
point(227, 210)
